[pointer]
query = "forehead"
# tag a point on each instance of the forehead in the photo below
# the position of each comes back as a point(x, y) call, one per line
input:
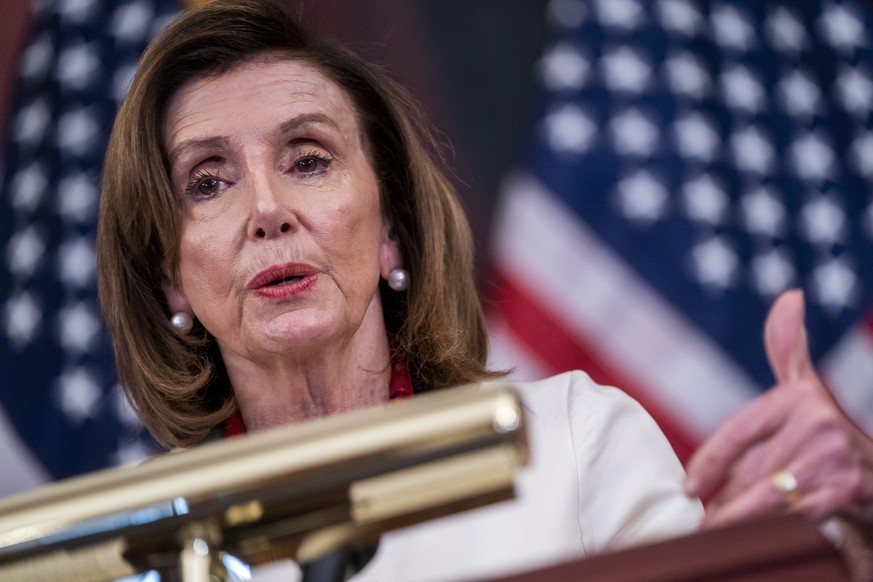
point(254, 94)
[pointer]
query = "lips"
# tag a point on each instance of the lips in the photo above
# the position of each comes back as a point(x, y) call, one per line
point(281, 275)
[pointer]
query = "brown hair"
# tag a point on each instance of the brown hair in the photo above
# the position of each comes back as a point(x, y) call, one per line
point(178, 385)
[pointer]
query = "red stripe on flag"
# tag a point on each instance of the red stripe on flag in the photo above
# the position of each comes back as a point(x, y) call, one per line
point(540, 329)
point(868, 323)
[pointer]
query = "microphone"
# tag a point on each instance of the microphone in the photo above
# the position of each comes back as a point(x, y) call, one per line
point(301, 491)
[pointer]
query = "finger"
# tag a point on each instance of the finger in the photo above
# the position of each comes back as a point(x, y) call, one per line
point(735, 485)
point(785, 339)
point(831, 480)
point(812, 432)
point(826, 502)
point(819, 465)
point(757, 464)
point(785, 342)
point(755, 422)
point(846, 490)
point(759, 499)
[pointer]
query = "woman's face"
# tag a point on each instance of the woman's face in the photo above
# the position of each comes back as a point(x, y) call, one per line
point(283, 240)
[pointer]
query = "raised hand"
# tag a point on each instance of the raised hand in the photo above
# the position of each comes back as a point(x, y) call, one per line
point(792, 448)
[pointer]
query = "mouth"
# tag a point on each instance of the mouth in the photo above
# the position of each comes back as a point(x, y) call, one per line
point(283, 281)
point(280, 275)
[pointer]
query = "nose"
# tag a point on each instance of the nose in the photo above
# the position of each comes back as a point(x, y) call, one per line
point(271, 214)
point(262, 232)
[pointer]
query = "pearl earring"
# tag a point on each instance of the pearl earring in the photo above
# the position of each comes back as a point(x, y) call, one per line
point(183, 322)
point(398, 279)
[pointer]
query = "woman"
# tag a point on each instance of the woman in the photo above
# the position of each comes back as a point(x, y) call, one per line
point(277, 243)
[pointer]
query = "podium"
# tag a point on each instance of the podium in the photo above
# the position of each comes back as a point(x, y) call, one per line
point(770, 549)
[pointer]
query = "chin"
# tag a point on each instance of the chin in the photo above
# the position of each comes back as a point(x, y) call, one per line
point(292, 333)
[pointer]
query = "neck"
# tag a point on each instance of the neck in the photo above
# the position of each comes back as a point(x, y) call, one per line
point(288, 396)
point(298, 386)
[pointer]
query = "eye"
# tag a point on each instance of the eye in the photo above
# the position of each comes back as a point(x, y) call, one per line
point(204, 184)
point(307, 165)
point(312, 163)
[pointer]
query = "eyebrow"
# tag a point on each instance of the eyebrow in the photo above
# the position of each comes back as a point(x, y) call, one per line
point(222, 142)
point(307, 119)
point(195, 144)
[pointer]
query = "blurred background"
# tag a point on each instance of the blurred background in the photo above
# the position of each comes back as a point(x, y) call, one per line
point(643, 178)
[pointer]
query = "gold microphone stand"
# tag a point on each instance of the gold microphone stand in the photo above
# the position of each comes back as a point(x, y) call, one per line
point(300, 491)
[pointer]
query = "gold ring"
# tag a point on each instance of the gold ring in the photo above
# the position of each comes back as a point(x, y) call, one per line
point(786, 484)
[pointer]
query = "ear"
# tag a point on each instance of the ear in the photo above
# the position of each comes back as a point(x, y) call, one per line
point(389, 252)
point(176, 299)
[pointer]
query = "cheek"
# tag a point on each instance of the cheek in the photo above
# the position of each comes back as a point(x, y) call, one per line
point(351, 215)
point(362, 225)
point(352, 236)
point(344, 235)
point(206, 263)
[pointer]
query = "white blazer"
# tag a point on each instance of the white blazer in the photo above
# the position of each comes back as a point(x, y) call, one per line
point(601, 476)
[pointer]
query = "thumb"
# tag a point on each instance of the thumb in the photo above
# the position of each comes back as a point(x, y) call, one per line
point(785, 338)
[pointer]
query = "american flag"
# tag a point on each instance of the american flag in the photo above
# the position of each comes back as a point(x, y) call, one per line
point(690, 160)
point(62, 413)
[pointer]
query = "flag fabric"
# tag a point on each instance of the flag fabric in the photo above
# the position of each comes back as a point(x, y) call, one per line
point(688, 161)
point(62, 413)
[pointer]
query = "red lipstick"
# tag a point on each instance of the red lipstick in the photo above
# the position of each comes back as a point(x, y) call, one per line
point(281, 281)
